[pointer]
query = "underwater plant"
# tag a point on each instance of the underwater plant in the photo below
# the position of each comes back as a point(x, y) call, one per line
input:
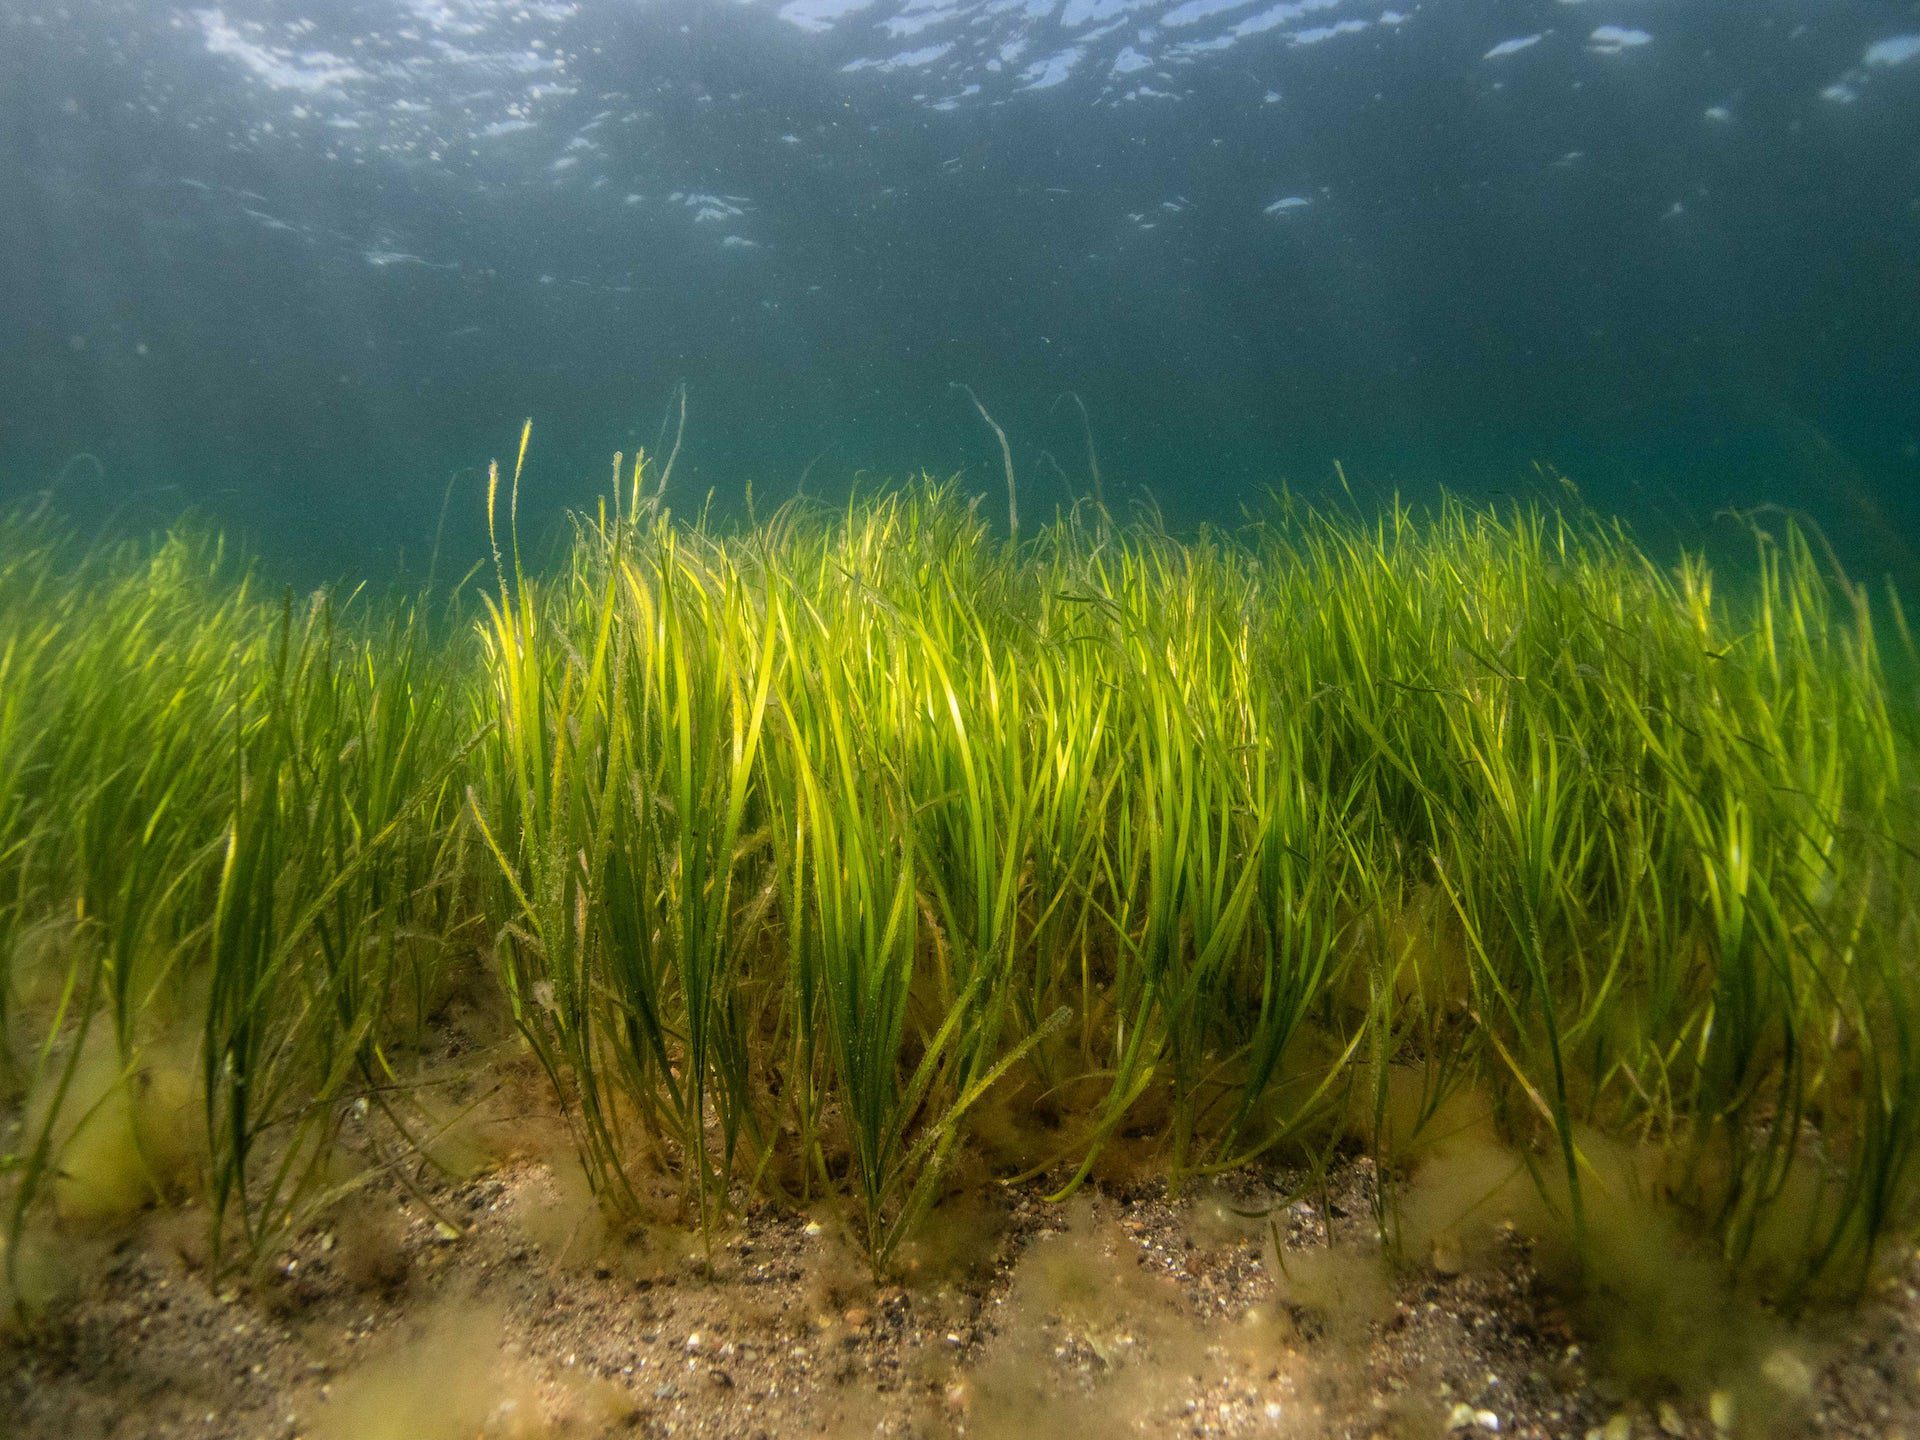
point(810, 858)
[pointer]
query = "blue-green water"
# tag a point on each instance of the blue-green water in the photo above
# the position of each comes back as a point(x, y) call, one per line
point(300, 264)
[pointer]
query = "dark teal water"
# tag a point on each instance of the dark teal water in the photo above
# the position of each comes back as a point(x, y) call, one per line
point(298, 265)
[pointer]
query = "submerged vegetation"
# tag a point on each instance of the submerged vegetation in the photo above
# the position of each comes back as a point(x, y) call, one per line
point(862, 851)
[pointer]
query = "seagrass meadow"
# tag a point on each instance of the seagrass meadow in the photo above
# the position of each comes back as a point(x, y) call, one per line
point(855, 855)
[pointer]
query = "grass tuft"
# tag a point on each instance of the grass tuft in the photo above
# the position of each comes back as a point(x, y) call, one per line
point(788, 848)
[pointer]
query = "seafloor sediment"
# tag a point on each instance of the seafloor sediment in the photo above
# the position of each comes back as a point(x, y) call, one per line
point(507, 1310)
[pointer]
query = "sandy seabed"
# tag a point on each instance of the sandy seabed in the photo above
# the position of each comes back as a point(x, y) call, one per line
point(500, 1306)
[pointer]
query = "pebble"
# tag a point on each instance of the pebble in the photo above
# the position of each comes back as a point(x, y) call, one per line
point(1464, 1417)
point(1788, 1373)
point(1720, 1409)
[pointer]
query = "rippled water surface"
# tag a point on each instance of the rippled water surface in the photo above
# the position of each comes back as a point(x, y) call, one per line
point(302, 264)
